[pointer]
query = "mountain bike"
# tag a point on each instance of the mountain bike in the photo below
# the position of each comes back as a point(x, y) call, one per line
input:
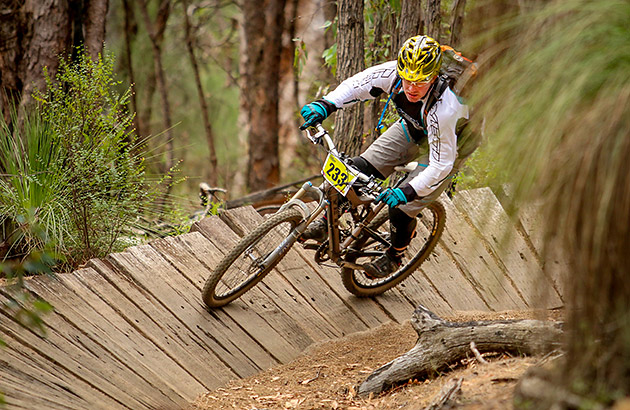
point(358, 232)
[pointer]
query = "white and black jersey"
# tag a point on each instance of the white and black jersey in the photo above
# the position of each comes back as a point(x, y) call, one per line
point(435, 123)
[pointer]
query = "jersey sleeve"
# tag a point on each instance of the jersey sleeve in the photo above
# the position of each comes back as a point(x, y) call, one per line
point(366, 85)
point(441, 123)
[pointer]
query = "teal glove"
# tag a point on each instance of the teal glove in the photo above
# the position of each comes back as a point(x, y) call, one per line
point(316, 112)
point(397, 196)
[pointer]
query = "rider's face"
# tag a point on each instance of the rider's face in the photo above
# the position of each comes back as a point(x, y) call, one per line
point(416, 90)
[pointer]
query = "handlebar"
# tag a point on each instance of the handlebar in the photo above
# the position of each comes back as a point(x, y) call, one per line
point(321, 137)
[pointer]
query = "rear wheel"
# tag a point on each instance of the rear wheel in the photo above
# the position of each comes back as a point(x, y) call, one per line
point(430, 226)
point(248, 262)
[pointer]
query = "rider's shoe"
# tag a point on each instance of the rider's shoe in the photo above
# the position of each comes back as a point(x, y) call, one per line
point(317, 231)
point(384, 265)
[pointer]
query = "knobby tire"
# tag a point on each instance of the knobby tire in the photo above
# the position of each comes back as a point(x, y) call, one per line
point(238, 271)
point(433, 220)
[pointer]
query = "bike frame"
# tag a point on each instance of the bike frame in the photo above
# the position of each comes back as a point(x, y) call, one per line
point(328, 200)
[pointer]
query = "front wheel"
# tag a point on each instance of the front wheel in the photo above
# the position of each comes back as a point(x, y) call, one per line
point(429, 229)
point(249, 261)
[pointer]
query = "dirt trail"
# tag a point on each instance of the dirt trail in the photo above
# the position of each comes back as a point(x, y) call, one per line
point(326, 376)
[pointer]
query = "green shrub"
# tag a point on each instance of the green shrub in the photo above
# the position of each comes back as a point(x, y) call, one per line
point(72, 168)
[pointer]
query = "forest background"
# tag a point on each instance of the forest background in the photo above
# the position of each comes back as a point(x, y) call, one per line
point(552, 95)
point(255, 63)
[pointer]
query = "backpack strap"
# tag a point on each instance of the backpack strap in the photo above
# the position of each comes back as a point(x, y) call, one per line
point(438, 89)
point(396, 86)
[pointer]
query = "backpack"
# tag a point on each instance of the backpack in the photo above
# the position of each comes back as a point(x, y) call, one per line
point(457, 70)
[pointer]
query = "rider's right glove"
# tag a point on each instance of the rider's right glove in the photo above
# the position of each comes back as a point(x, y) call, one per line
point(316, 112)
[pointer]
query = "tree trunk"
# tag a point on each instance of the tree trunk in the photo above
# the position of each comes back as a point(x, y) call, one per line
point(10, 54)
point(94, 24)
point(411, 23)
point(131, 29)
point(156, 35)
point(457, 22)
point(441, 342)
point(33, 34)
point(202, 97)
point(259, 87)
point(46, 34)
point(433, 19)
point(350, 60)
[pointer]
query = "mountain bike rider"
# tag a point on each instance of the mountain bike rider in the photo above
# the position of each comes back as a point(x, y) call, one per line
point(429, 112)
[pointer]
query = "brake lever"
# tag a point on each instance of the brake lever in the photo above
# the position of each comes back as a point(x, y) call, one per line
point(317, 137)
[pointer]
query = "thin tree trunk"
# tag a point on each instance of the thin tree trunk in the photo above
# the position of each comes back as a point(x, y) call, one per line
point(202, 98)
point(156, 34)
point(457, 22)
point(94, 24)
point(411, 23)
point(433, 19)
point(131, 30)
point(350, 60)
point(260, 89)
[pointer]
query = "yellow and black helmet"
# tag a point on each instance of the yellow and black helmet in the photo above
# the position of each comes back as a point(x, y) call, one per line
point(419, 59)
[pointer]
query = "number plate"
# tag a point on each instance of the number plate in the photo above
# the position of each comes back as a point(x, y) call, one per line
point(337, 174)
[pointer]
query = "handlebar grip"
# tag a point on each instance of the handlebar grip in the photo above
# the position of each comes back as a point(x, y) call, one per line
point(315, 125)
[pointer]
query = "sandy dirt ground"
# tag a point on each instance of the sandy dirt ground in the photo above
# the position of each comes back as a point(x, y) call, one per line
point(327, 376)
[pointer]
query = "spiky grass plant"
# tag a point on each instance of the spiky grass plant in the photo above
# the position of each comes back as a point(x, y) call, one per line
point(557, 118)
point(33, 188)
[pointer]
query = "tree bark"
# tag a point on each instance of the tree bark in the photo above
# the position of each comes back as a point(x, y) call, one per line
point(94, 24)
point(411, 23)
point(441, 342)
point(156, 35)
point(10, 54)
point(457, 22)
point(33, 34)
point(259, 87)
point(350, 60)
point(202, 97)
point(131, 29)
point(47, 34)
point(433, 19)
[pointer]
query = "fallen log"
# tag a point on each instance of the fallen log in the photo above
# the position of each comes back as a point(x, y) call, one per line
point(442, 343)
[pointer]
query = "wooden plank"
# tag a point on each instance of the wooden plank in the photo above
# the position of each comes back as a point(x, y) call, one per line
point(268, 324)
point(466, 246)
point(150, 271)
point(548, 249)
point(181, 345)
point(86, 357)
point(210, 337)
point(489, 218)
point(274, 286)
point(134, 348)
point(138, 360)
point(418, 290)
point(28, 381)
point(442, 273)
point(84, 362)
point(305, 281)
point(393, 305)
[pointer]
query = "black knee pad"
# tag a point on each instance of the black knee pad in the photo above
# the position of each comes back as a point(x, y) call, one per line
point(364, 166)
point(403, 227)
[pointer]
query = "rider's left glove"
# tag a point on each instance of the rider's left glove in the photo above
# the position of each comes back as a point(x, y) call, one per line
point(316, 112)
point(397, 196)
